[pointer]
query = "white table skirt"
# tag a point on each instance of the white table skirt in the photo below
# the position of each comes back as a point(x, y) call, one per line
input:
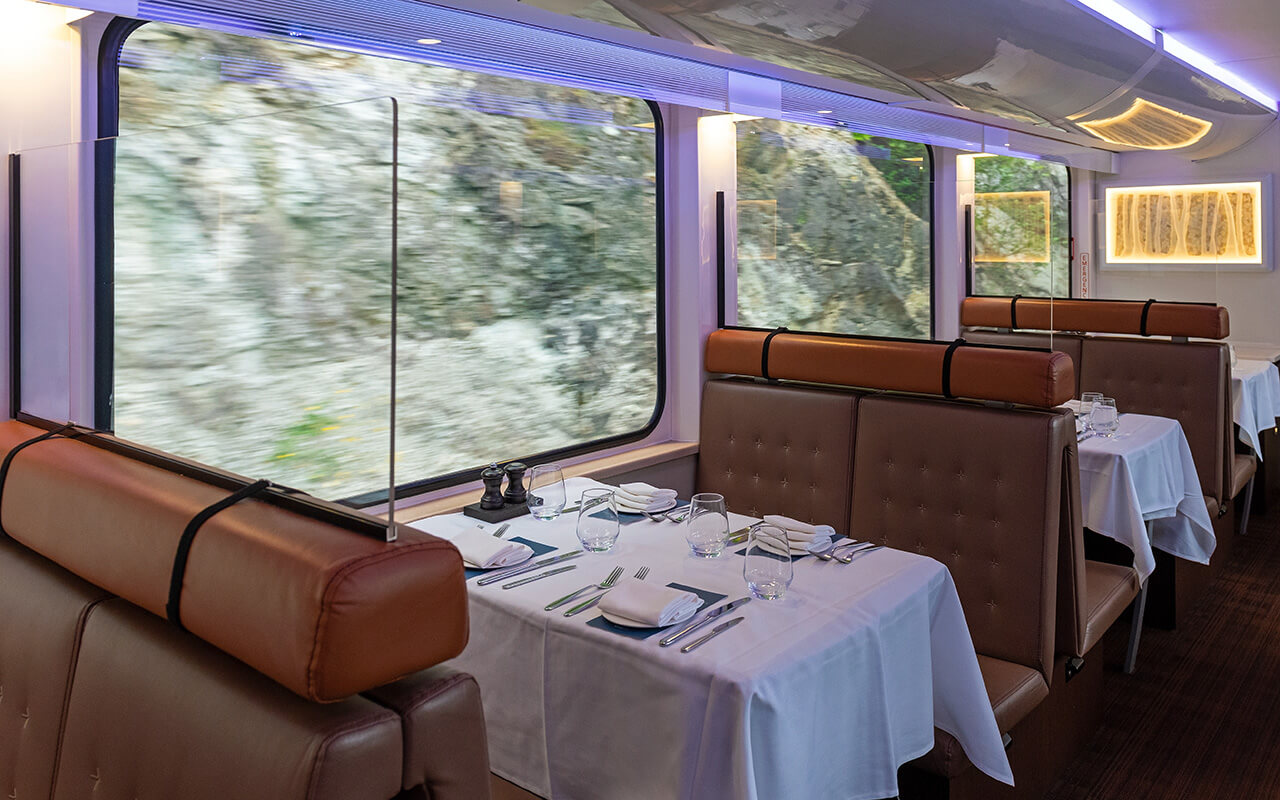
point(820, 695)
point(1146, 474)
point(1255, 400)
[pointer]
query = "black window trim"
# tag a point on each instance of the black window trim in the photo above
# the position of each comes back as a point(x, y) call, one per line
point(117, 32)
point(722, 246)
point(970, 265)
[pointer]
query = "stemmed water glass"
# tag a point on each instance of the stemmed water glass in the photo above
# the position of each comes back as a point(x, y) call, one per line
point(707, 526)
point(546, 492)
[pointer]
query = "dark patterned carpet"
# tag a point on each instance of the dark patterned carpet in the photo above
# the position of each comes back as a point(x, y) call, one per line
point(1201, 717)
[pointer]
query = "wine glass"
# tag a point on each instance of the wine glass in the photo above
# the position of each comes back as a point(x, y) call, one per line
point(1104, 418)
point(767, 574)
point(546, 492)
point(598, 524)
point(707, 526)
point(1086, 405)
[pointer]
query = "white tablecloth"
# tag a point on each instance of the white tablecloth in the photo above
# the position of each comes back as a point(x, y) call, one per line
point(1145, 474)
point(1255, 400)
point(820, 695)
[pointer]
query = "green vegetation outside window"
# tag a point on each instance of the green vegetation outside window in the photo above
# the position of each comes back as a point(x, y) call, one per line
point(1021, 227)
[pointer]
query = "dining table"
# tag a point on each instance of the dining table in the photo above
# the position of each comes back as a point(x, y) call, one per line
point(821, 694)
point(1140, 487)
point(1255, 400)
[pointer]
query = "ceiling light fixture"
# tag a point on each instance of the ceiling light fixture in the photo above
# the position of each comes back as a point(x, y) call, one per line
point(429, 41)
point(1197, 60)
point(825, 111)
point(1113, 11)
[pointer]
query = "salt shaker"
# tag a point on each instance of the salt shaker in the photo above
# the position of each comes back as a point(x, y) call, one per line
point(516, 493)
point(492, 477)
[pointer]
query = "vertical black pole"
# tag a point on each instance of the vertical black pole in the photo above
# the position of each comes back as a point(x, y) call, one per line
point(15, 284)
point(104, 296)
point(720, 258)
point(968, 250)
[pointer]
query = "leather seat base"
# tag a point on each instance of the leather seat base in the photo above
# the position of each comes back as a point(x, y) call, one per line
point(1109, 590)
point(1243, 468)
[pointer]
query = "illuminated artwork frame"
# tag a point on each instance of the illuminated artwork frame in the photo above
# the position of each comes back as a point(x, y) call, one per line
point(1194, 225)
point(1040, 201)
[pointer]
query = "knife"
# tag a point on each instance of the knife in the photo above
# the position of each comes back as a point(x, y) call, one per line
point(716, 631)
point(739, 536)
point(502, 529)
point(666, 641)
point(546, 574)
point(511, 572)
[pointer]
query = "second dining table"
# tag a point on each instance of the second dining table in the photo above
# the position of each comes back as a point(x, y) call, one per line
point(822, 694)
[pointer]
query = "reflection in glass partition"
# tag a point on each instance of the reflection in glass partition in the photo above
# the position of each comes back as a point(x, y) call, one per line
point(528, 263)
point(833, 230)
point(594, 10)
point(1021, 227)
point(252, 293)
point(1150, 126)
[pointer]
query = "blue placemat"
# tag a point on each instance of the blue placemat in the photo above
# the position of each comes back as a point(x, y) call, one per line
point(538, 548)
point(743, 551)
point(709, 599)
point(625, 518)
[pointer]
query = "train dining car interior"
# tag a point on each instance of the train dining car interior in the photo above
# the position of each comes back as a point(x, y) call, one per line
point(639, 399)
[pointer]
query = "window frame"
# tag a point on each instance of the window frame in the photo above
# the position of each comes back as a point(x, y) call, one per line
point(722, 258)
point(970, 265)
point(112, 44)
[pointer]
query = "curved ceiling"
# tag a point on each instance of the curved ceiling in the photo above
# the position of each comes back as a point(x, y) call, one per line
point(1048, 63)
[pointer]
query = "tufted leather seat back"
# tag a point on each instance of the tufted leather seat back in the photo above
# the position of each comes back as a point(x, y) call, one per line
point(1186, 381)
point(42, 611)
point(778, 449)
point(979, 490)
point(1069, 343)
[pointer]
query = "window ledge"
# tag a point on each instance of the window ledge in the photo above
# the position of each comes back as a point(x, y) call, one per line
point(599, 468)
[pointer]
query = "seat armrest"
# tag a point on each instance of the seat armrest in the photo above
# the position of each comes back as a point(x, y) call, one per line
point(445, 746)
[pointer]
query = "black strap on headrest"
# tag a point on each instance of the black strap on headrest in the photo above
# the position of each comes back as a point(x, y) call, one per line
point(8, 461)
point(764, 352)
point(1013, 312)
point(946, 367)
point(1146, 309)
point(173, 609)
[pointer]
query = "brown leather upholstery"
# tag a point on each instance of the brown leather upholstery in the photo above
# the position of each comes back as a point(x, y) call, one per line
point(1186, 381)
point(446, 750)
point(1243, 467)
point(1111, 588)
point(1016, 376)
point(1014, 691)
point(979, 490)
point(315, 607)
point(154, 714)
point(42, 610)
point(1069, 343)
point(1201, 321)
point(778, 450)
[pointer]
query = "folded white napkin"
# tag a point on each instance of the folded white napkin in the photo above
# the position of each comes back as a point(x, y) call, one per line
point(649, 603)
point(486, 551)
point(637, 497)
point(801, 536)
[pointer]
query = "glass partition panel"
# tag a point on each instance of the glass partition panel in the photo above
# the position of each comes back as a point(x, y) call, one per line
point(833, 231)
point(1021, 227)
point(246, 273)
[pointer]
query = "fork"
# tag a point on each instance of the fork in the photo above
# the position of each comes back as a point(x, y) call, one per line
point(641, 574)
point(607, 583)
point(825, 555)
point(852, 554)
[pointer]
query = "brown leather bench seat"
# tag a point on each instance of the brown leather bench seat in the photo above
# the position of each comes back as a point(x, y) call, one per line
point(101, 698)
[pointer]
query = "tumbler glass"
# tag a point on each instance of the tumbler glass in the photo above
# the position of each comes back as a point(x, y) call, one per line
point(707, 526)
point(767, 573)
point(1104, 418)
point(546, 492)
point(598, 524)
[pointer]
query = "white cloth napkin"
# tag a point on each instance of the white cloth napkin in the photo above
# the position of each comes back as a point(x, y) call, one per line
point(649, 603)
point(485, 551)
point(638, 497)
point(801, 536)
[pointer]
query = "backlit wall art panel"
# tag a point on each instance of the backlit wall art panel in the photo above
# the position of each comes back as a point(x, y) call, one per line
point(1188, 224)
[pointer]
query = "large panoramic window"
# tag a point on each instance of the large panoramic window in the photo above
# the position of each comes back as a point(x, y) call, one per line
point(833, 231)
point(254, 198)
point(1021, 227)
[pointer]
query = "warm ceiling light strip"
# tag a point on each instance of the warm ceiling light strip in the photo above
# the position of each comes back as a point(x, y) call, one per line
point(1150, 126)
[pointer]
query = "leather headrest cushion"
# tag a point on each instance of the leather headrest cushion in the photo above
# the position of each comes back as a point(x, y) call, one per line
point(323, 611)
point(1201, 321)
point(1026, 377)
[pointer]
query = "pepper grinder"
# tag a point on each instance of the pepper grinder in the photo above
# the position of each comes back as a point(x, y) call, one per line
point(492, 477)
point(516, 493)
